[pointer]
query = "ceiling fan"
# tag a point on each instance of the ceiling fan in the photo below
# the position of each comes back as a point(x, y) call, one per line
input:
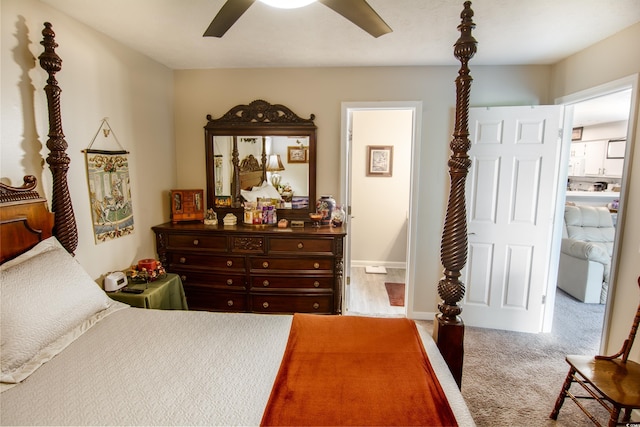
point(357, 11)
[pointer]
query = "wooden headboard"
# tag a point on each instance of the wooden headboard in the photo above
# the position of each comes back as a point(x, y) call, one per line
point(251, 173)
point(25, 219)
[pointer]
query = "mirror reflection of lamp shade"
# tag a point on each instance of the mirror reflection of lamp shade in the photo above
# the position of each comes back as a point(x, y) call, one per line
point(274, 165)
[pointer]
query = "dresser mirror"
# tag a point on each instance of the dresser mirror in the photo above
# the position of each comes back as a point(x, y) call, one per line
point(261, 150)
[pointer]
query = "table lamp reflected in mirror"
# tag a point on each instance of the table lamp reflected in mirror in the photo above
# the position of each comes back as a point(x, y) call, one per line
point(274, 165)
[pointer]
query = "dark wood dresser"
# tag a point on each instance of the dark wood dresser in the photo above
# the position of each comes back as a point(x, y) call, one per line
point(256, 269)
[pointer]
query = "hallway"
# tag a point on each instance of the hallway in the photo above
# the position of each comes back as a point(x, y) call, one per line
point(367, 295)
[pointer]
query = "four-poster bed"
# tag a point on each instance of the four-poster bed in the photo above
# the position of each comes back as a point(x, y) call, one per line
point(100, 361)
point(448, 328)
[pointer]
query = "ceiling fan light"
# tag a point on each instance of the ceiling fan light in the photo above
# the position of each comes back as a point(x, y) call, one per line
point(287, 4)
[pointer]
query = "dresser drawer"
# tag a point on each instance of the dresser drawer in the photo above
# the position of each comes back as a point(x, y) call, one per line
point(275, 282)
point(300, 245)
point(200, 241)
point(292, 303)
point(255, 269)
point(324, 265)
point(206, 299)
point(247, 244)
point(226, 263)
point(210, 279)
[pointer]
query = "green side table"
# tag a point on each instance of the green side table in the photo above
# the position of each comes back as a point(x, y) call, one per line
point(166, 293)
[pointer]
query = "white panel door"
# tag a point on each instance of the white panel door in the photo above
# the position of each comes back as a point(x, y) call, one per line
point(511, 192)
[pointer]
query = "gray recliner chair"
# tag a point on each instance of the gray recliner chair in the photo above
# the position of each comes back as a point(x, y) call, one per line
point(585, 254)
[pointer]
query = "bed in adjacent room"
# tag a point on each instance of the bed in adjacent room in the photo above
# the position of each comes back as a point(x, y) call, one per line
point(73, 356)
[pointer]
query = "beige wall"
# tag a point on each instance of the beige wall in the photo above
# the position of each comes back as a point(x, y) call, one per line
point(609, 60)
point(321, 91)
point(99, 78)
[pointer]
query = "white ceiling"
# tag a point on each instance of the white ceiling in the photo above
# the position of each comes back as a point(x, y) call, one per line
point(604, 109)
point(424, 31)
point(508, 32)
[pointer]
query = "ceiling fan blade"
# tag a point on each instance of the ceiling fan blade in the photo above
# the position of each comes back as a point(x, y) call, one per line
point(230, 12)
point(360, 13)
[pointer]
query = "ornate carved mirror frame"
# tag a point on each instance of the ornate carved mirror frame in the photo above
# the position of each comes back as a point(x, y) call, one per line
point(257, 120)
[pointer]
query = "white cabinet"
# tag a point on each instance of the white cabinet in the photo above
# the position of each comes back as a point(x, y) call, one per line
point(614, 156)
point(576, 160)
point(594, 154)
point(590, 159)
point(613, 167)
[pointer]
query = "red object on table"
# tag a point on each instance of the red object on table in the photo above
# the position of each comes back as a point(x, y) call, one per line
point(148, 264)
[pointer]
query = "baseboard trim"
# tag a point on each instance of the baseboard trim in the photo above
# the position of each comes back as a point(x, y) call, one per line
point(386, 264)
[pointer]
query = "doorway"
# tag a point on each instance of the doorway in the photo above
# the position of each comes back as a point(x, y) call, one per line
point(480, 300)
point(378, 198)
point(601, 113)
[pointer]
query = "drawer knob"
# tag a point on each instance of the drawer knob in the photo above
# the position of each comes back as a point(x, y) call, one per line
point(183, 278)
point(300, 245)
point(316, 306)
point(230, 303)
point(196, 242)
point(265, 283)
point(229, 282)
point(316, 265)
point(229, 263)
point(265, 304)
point(316, 284)
point(265, 264)
point(183, 260)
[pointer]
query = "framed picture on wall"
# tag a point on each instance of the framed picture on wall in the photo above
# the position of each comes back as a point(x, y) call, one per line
point(616, 148)
point(576, 134)
point(297, 154)
point(379, 160)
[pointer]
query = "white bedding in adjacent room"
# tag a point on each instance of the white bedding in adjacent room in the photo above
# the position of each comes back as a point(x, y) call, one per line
point(152, 367)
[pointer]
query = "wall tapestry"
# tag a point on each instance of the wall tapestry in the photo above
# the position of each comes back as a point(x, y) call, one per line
point(109, 190)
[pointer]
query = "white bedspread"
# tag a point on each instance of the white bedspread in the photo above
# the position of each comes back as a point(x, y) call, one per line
point(153, 367)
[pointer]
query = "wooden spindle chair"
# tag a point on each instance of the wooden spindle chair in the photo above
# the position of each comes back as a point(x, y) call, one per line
point(613, 381)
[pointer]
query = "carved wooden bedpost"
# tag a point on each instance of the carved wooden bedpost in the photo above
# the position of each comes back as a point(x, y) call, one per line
point(448, 328)
point(65, 223)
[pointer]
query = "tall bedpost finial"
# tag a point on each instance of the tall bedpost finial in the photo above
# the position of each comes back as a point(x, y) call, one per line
point(65, 224)
point(449, 328)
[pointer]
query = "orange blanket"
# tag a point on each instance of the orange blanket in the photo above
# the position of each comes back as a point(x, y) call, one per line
point(347, 370)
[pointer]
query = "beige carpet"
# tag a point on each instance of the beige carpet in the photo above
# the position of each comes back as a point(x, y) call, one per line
point(513, 379)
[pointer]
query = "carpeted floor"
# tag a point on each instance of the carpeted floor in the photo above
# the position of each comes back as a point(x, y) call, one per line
point(513, 379)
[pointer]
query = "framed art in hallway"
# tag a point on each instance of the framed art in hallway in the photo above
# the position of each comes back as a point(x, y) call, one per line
point(379, 160)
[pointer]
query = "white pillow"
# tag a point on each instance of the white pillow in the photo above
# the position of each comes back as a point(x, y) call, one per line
point(249, 196)
point(44, 298)
point(270, 191)
point(43, 246)
point(265, 191)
